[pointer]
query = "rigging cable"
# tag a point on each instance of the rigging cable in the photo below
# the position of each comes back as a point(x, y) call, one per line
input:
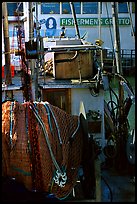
point(95, 90)
point(99, 18)
point(131, 22)
point(111, 36)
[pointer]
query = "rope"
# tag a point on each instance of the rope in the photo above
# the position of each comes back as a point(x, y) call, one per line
point(58, 172)
point(49, 119)
point(27, 131)
point(46, 137)
point(11, 121)
point(47, 105)
point(60, 176)
point(72, 136)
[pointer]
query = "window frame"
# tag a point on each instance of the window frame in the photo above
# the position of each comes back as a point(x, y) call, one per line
point(50, 3)
point(10, 5)
point(81, 10)
point(84, 4)
point(120, 4)
point(47, 94)
point(62, 3)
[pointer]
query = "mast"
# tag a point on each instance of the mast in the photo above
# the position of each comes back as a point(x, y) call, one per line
point(75, 20)
point(122, 126)
point(31, 36)
point(99, 12)
point(116, 38)
point(101, 51)
point(7, 68)
point(31, 62)
point(38, 46)
point(118, 59)
point(77, 33)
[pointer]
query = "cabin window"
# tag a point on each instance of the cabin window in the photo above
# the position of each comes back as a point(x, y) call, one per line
point(50, 8)
point(122, 7)
point(58, 97)
point(90, 7)
point(66, 9)
point(11, 8)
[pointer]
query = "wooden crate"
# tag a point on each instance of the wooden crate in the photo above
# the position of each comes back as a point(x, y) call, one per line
point(70, 69)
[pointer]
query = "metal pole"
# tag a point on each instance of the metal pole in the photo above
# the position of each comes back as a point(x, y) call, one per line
point(7, 69)
point(77, 33)
point(37, 64)
point(31, 37)
point(75, 19)
point(101, 51)
point(122, 126)
point(116, 38)
point(8, 78)
point(118, 54)
point(30, 22)
point(99, 12)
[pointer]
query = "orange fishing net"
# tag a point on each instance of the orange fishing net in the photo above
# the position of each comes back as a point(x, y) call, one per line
point(41, 146)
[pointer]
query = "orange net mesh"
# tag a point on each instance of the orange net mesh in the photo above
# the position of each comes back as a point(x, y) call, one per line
point(41, 146)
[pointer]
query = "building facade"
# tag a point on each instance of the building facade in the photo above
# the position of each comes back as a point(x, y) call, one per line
point(94, 21)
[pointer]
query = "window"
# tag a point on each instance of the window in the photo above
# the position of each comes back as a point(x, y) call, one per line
point(66, 9)
point(50, 8)
point(11, 7)
point(58, 97)
point(122, 7)
point(90, 7)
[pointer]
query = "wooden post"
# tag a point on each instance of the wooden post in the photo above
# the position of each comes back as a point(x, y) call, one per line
point(7, 68)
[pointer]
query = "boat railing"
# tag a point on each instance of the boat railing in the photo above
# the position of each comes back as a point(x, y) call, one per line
point(127, 58)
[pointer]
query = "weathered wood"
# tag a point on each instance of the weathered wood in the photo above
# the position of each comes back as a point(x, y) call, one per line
point(82, 64)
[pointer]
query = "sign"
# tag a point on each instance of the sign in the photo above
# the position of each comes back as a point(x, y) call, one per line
point(51, 26)
point(93, 21)
point(51, 23)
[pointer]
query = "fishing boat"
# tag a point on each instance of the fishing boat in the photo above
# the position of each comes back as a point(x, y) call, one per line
point(72, 82)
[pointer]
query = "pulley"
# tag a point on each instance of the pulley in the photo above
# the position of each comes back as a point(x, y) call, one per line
point(99, 42)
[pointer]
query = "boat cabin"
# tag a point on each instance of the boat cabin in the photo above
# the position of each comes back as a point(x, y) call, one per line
point(72, 85)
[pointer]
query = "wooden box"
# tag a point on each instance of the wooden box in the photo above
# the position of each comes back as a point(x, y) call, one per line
point(68, 65)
